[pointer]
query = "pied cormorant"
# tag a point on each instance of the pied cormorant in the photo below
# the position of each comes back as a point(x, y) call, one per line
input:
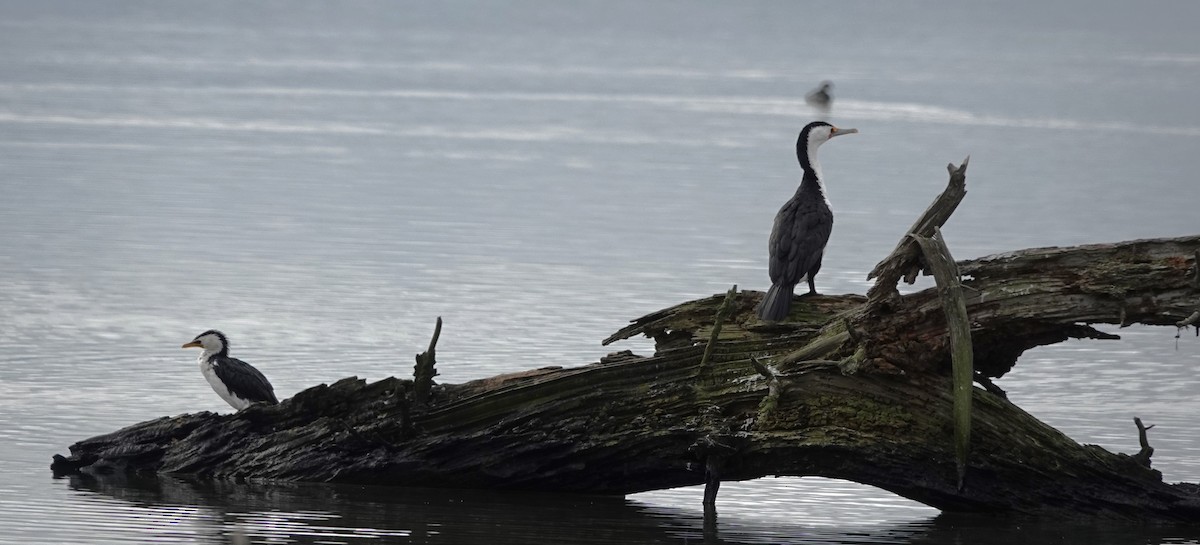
point(821, 97)
point(236, 381)
point(802, 226)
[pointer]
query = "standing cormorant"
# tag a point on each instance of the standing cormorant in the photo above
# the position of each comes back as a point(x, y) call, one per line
point(236, 381)
point(802, 226)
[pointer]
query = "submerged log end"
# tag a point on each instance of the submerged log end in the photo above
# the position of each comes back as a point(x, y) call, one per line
point(62, 465)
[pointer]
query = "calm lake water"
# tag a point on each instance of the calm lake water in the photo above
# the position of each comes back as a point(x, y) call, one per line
point(322, 180)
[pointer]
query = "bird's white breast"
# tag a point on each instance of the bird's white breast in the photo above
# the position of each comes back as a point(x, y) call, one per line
point(210, 374)
point(816, 167)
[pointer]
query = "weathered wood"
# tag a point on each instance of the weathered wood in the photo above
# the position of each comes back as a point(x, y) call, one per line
point(424, 372)
point(722, 312)
point(902, 262)
point(774, 388)
point(714, 452)
point(949, 287)
point(1040, 296)
point(1143, 455)
point(1196, 271)
point(849, 387)
point(627, 426)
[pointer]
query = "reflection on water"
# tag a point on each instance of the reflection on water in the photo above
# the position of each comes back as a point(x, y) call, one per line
point(173, 510)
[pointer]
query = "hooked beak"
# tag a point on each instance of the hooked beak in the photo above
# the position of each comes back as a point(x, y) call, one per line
point(839, 132)
point(193, 344)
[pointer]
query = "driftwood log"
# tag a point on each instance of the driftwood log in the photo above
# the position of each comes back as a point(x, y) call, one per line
point(850, 387)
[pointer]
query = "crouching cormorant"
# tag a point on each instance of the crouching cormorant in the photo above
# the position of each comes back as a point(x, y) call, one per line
point(236, 381)
point(802, 226)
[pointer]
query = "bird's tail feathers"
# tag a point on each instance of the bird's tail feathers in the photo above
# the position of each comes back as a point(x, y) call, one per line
point(777, 303)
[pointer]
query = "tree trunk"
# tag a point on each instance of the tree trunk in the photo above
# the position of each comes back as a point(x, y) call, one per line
point(848, 387)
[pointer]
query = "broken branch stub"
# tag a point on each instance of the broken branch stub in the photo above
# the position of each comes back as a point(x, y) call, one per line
point(1143, 455)
point(904, 259)
point(424, 372)
point(722, 313)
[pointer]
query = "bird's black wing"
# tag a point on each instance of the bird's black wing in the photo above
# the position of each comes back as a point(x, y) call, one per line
point(243, 380)
point(798, 239)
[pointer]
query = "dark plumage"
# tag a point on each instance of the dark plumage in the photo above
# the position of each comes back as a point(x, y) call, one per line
point(802, 227)
point(821, 97)
point(243, 380)
point(236, 381)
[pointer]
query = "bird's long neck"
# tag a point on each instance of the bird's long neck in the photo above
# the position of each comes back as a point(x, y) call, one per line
point(208, 355)
point(812, 182)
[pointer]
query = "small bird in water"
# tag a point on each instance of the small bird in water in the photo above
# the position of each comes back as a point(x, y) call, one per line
point(236, 381)
point(821, 97)
point(802, 226)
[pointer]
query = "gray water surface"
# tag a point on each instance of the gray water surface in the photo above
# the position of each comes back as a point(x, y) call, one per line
point(322, 180)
